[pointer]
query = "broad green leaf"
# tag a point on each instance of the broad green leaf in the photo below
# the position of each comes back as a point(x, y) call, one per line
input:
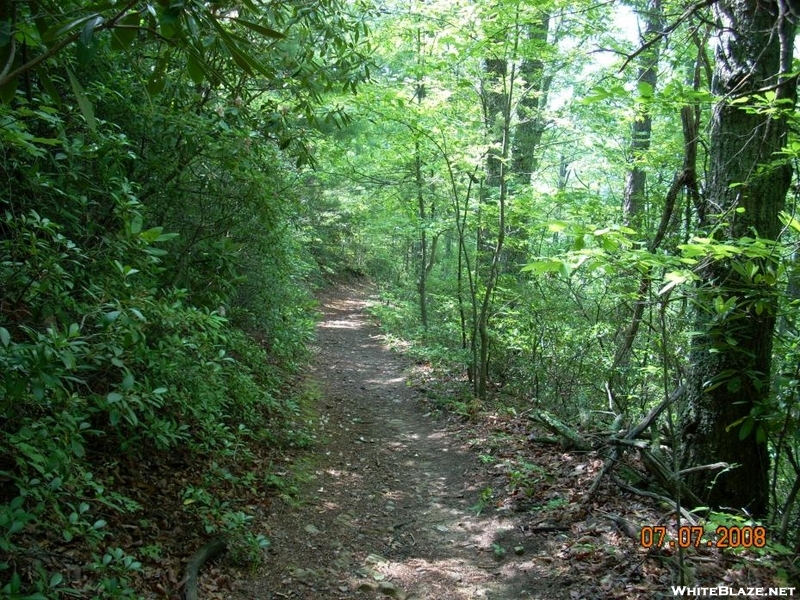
point(55, 580)
point(5, 337)
point(128, 381)
point(152, 234)
point(544, 266)
point(125, 32)
point(68, 359)
point(645, 90)
point(746, 428)
point(165, 237)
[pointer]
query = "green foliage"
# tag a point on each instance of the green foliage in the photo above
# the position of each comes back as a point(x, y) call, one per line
point(484, 499)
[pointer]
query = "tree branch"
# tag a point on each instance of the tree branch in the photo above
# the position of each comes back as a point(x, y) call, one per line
point(685, 15)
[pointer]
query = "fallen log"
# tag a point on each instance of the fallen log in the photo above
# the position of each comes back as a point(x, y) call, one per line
point(631, 435)
point(572, 439)
point(667, 478)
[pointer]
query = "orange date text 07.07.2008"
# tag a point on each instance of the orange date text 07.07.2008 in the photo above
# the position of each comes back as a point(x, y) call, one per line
point(691, 536)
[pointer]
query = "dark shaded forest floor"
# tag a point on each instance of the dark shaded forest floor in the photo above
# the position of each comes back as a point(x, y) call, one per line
point(404, 502)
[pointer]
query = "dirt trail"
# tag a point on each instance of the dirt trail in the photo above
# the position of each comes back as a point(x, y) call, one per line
point(390, 509)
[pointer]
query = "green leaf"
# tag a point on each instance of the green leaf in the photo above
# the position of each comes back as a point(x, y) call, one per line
point(645, 90)
point(59, 29)
point(674, 279)
point(195, 68)
point(265, 31)
point(128, 381)
point(123, 35)
point(83, 101)
point(109, 317)
point(77, 448)
point(68, 358)
point(244, 61)
point(88, 29)
point(240, 58)
point(543, 266)
point(746, 428)
point(151, 235)
point(136, 224)
point(5, 337)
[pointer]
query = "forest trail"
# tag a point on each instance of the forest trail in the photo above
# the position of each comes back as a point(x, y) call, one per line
point(390, 509)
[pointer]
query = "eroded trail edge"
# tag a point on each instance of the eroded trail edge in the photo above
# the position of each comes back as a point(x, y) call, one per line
point(391, 507)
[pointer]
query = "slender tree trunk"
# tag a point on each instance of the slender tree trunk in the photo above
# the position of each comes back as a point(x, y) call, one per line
point(634, 198)
point(496, 173)
point(422, 277)
point(729, 380)
point(641, 130)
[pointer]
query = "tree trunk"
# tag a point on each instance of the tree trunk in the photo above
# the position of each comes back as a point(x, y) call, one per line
point(641, 130)
point(731, 356)
point(422, 280)
point(634, 198)
point(498, 95)
point(530, 127)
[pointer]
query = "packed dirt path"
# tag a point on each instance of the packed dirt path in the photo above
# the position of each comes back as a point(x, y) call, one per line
point(392, 507)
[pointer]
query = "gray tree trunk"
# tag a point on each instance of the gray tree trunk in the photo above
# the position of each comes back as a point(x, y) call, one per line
point(535, 85)
point(731, 357)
